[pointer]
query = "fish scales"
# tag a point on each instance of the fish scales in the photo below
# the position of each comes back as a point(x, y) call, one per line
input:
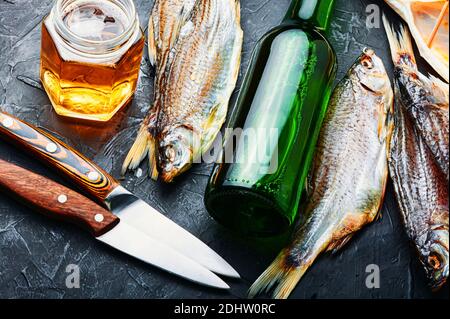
point(348, 177)
point(196, 74)
point(425, 98)
point(430, 114)
point(422, 193)
point(164, 27)
point(418, 144)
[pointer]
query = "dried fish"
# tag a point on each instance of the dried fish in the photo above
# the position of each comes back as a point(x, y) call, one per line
point(425, 98)
point(420, 185)
point(196, 49)
point(349, 175)
point(422, 194)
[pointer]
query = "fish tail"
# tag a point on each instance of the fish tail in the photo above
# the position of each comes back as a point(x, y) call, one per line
point(401, 45)
point(144, 145)
point(281, 275)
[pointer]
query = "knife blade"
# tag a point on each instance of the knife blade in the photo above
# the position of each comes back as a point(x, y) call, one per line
point(58, 201)
point(108, 192)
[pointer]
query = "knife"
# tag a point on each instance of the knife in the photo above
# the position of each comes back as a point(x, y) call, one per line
point(106, 191)
point(60, 202)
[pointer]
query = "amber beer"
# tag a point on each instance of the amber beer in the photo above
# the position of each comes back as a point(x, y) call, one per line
point(90, 57)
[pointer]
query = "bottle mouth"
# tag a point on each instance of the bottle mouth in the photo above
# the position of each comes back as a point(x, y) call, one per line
point(90, 46)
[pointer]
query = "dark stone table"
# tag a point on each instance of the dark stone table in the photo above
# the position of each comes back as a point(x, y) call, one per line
point(35, 252)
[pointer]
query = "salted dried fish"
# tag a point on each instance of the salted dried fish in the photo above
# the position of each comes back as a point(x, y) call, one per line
point(348, 177)
point(422, 195)
point(425, 98)
point(422, 17)
point(196, 49)
point(420, 185)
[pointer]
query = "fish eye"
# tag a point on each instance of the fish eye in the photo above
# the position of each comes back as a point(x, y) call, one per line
point(170, 153)
point(367, 63)
point(434, 261)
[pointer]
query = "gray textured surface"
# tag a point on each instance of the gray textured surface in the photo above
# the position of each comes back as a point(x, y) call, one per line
point(34, 251)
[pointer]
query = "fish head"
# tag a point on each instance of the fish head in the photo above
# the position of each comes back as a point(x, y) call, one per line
point(371, 73)
point(436, 258)
point(176, 150)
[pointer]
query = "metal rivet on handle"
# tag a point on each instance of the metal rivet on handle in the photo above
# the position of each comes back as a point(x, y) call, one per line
point(51, 147)
point(99, 218)
point(7, 122)
point(93, 176)
point(62, 198)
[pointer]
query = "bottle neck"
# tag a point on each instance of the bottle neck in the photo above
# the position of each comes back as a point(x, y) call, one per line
point(316, 13)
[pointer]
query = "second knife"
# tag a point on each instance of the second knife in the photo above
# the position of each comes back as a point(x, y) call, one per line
point(107, 191)
point(60, 202)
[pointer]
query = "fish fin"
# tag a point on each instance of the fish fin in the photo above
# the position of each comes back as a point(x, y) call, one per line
point(370, 207)
point(152, 162)
point(390, 133)
point(211, 128)
point(385, 117)
point(281, 276)
point(238, 12)
point(367, 212)
point(401, 45)
point(383, 167)
point(151, 42)
point(335, 246)
point(345, 230)
point(385, 177)
point(144, 145)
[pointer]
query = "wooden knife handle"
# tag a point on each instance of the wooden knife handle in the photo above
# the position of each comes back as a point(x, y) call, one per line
point(55, 200)
point(67, 161)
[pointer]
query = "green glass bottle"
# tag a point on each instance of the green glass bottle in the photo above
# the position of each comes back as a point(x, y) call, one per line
point(276, 121)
